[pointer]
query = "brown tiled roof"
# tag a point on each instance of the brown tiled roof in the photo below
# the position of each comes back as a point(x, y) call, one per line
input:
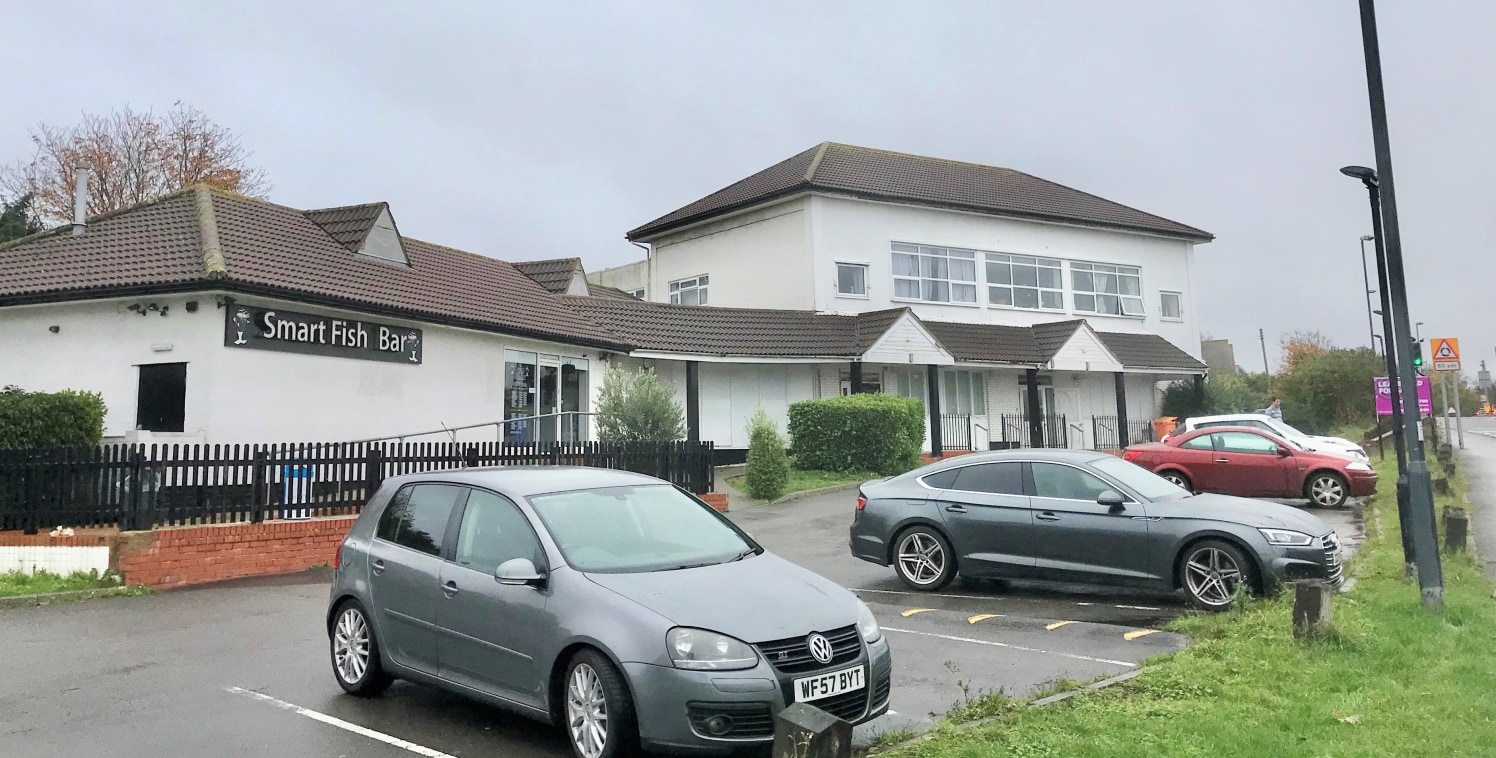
point(1149, 351)
point(274, 250)
point(900, 177)
point(708, 330)
point(871, 325)
point(987, 343)
point(553, 274)
point(600, 290)
point(1050, 337)
point(350, 224)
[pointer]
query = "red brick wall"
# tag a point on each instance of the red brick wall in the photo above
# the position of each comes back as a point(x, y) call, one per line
point(716, 500)
point(194, 555)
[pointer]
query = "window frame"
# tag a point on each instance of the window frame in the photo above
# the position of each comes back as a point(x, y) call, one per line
point(700, 284)
point(919, 253)
point(1178, 302)
point(1038, 287)
point(1117, 270)
point(158, 375)
point(951, 389)
point(866, 272)
point(460, 515)
point(961, 472)
point(449, 532)
point(638, 293)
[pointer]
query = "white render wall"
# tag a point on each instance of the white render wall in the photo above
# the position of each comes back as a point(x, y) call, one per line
point(237, 395)
point(760, 259)
point(860, 231)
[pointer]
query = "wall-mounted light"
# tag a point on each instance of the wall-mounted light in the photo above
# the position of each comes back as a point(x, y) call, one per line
point(54, 329)
point(192, 306)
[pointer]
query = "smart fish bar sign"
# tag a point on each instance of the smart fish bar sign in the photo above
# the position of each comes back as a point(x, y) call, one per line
point(289, 332)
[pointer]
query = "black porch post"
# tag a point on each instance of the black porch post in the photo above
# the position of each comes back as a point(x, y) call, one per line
point(856, 378)
point(936, 448)
point(693, 401)
point(1122, 433)
point(1200, 393)
point(1035, 412)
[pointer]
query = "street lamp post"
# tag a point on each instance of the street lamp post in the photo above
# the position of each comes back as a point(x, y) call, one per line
point(1395, 387)
point(1366, 284)
point(1420, 485)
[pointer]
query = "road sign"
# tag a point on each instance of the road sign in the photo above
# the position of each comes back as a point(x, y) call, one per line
point(1446, 353)
point(1384, 396)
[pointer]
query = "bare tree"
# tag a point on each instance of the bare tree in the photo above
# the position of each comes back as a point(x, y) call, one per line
point(135, 156)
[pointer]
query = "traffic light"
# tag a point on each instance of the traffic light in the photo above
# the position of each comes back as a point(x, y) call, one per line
point(1417, 354)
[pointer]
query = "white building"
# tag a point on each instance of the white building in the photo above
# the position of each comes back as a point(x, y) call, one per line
point(1100, 297)
point(1020, 312)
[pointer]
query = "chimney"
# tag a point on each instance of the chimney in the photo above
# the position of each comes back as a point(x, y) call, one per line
point(80, 200)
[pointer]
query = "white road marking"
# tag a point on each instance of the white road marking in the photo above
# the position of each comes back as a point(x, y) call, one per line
point(1012, 647)
point(339, 723)
point(980, 597)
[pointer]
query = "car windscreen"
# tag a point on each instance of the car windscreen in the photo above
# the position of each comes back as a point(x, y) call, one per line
point(1138, 479)
point(636, 529)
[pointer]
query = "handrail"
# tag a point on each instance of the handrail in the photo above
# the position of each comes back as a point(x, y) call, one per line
point(452, 430)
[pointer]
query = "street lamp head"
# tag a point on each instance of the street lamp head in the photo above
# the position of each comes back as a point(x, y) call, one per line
point(1367, 238)
point(1360, 172)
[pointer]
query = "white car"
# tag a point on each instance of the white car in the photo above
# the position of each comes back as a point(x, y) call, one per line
point(1332, 445)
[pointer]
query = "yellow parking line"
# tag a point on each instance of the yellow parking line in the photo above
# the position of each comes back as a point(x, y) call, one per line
point(912, 611)
point(1138, 633)
point(983, 617)
point(1057, 625)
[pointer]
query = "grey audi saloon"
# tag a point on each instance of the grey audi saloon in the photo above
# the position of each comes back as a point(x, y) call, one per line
point(1087, 518)
point(612, 604)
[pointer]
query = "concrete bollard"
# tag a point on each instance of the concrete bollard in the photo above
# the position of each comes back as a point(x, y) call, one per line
point(1456, 529)
point(1312, 608)
point(804, 731)
point(1441, 485)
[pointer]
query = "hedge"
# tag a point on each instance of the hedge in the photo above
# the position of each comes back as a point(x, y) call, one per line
point(868, 432)
point(50, 419)
point(768, 466)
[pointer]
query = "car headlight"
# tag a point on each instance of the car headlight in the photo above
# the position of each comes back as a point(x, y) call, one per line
point(701, 650)
point(1287, 538)
point(867, 625)
point(1357, 466)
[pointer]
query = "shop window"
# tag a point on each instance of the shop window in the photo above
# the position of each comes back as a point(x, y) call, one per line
point(161, 404)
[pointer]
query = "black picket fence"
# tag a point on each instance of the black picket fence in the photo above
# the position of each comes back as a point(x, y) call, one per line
point(1054, 432)
point(139, 486)
point(955, 432)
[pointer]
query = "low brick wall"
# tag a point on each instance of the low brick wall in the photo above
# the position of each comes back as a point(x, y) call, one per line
point(195, 555)
point(717, 500)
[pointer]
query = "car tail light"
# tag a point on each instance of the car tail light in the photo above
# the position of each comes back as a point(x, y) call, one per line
point(1128, 455)
point(337, 558)
point(861, 502)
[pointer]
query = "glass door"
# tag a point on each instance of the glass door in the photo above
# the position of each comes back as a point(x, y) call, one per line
point(519, 396)
point(573, 398)
point(538, 388)
point(550, 398)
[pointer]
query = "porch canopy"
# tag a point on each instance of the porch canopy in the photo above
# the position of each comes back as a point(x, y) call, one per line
point(895, 337)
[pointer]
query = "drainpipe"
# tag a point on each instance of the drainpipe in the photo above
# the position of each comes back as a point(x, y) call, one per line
point(648, 268)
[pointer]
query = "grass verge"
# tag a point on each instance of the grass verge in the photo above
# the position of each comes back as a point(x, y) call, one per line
point(1394, 679)
point(16, 584)
point(802, 480)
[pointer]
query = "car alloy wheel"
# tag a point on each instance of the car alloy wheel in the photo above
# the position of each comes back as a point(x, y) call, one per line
point(1327, 490)
point(350, 646)
point(923, 559)
point(1178, 479)
point(1212, 576)
point(587, 711)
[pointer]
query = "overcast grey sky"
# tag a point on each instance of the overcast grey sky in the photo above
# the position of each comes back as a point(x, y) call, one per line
point(535, 130)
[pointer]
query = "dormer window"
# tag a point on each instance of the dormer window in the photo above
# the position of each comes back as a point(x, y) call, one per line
point(383, 241)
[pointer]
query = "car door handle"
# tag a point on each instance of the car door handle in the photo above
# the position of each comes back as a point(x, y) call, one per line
point(377, 566)
point(449, 589)
point(955, 509)
point(1047, 516)
point(1223, 460)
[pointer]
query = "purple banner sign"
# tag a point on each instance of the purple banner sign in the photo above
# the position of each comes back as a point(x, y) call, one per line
point(1384, 396)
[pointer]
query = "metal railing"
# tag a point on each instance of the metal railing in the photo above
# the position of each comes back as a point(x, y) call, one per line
point(571, 432)
point(1054, 431)
point(955, 432)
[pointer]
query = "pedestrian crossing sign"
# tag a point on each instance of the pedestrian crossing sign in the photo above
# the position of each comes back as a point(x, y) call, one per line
point(1446, 354)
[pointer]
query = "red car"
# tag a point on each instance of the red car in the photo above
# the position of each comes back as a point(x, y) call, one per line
point(1253, 463)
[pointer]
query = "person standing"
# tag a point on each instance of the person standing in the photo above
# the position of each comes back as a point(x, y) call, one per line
point(1275, 409)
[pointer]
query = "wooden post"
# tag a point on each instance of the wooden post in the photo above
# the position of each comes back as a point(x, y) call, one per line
point(937, 441)
point(1311, 608)
point(1120, 380)
point(1035, 412)
point(804, 731)
point(1456, 529)
point(856, 379)
point(693, 401)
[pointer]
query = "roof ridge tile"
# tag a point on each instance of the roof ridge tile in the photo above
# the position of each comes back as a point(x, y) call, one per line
point(207, 225)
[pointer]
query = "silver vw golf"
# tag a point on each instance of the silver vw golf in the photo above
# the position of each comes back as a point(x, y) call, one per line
point(612, 604)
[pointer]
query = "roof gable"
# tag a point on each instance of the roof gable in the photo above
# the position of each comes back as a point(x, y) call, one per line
point(901, 177)
point(366, 229)
point(560, 276)
point(1084, 351)
point(906, 340)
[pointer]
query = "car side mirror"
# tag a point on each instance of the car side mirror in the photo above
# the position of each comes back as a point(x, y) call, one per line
point(518, 571)
point(1111, 499)
point(1284, 452)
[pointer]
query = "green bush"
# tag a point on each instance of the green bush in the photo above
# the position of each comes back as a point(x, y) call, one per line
point(50, 419)
point(638, 406)
point(1224, 393)
point(768, 464)
point(1332, 389)
point(881, 433)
